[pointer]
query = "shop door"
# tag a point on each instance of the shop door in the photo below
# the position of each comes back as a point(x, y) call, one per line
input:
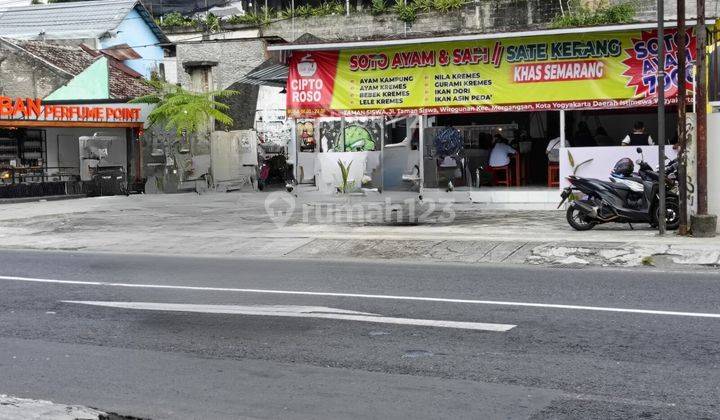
point(401, 165)
point(68, 154)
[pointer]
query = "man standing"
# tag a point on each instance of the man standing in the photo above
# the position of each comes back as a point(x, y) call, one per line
point(638, 137)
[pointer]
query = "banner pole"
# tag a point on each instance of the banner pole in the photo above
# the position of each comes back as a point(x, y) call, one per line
point(661, 115)
point(682, 118)
point(421, 150)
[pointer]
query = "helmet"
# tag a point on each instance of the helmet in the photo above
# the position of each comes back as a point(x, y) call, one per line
point(624, 167)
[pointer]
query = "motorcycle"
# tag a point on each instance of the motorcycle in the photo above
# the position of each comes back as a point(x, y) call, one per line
point(622, 199)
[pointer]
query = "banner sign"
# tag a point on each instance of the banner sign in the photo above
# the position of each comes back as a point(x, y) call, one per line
point(34, 109)
point(541, 73)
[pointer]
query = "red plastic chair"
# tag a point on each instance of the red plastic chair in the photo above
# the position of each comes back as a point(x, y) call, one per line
point(506, 180)
point(553, 174)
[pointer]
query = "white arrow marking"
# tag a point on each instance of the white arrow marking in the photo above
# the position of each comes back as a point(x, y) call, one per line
point(364, 296)
point(296, 312)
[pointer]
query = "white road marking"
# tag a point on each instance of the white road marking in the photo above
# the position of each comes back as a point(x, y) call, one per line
point(366, 296)
point(297, 312)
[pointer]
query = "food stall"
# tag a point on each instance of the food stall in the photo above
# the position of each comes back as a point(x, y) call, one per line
point(527, 88)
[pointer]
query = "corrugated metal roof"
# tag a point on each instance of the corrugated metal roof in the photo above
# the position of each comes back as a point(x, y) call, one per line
point(121, 52)
point(269, 73)
point(75, 20)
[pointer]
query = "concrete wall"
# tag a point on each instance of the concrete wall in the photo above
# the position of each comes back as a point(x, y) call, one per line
point(487, 16)
point(177, 35)
point(647, 9)
point(235, 59)
point(21, 76)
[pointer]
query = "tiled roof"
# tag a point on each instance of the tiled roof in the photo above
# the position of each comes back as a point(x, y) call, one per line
point(125, 86)
point(74, 20)
point(74, 60)
point(70, 59)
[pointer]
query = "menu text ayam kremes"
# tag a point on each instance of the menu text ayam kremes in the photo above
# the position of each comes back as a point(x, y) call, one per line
point(526, 58)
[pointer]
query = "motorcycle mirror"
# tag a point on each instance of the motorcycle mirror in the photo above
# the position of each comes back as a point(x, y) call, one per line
point(639, 150)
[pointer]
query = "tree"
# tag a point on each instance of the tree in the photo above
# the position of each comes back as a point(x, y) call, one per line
point(183, 111)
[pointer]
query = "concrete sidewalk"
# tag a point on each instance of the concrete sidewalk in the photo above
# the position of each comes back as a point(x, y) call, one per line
point(12, 408)
point(238, 224)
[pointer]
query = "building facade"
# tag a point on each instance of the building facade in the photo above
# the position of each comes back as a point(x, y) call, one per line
point(100, 24)
point(64, 117)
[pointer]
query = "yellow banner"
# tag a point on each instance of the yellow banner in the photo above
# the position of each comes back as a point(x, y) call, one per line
point(574, 71)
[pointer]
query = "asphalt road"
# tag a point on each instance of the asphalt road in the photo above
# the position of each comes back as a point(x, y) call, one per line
point(581, 343)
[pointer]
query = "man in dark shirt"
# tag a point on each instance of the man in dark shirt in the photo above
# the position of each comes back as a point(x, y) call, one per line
point(638, 137)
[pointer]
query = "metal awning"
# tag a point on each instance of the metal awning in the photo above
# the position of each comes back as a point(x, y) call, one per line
point(269, 73)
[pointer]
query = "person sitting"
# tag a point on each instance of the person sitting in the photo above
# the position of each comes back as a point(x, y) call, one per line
point(602, 138)
point(638, 137)
point(501, 152)
point(553, 150)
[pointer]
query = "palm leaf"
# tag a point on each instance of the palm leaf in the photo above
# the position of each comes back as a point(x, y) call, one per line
point(181, 110)
point(576, 168)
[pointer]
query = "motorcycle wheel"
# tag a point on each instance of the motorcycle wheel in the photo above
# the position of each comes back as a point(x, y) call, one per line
point(672, 214)
point(577, 219)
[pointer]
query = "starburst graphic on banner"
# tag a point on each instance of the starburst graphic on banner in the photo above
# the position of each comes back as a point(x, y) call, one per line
point(642, 65)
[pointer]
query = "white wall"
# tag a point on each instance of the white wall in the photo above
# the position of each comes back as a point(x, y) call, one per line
point(713, 159)
point(604, 159)
point(117, 154)
point(171, 70)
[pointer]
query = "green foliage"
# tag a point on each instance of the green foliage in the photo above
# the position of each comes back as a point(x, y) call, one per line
point(346, 186)
point(212, 23)
point(423, 6)
point(404, 12)
point(309, 11)
point(184, 111)
point(604, 14)
point(267, 13)
point(305, 11)
point(379, 7)
point(445, 6)
point(177, 20)
point(577, 167)
point(331, 8)
point(250, 18)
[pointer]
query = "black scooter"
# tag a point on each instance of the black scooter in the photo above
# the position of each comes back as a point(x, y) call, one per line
point(633, 199)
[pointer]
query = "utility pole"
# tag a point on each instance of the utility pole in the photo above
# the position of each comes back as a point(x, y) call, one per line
point(682, 117)
point(703, 224)
point(661, 114)
point(701, 109)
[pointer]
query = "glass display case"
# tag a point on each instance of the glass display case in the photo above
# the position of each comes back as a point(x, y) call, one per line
point(23, 155)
